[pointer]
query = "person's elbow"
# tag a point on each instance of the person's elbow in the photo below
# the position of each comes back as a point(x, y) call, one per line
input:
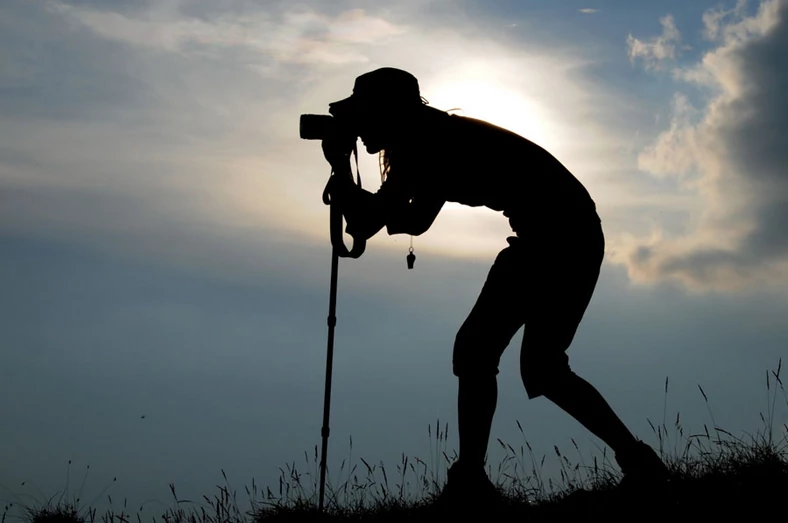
point(411, 229)
point(364, 231)
point(423, 222)
point(420, 229)
point(414, 223)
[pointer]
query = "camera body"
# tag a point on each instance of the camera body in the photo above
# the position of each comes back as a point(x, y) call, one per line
point(318, 126)
point(326, 127)
point(337, 134)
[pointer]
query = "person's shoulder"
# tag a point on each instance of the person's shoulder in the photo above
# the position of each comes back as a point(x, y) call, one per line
point(478, 130)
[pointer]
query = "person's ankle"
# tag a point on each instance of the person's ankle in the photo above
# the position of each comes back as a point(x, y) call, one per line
point(468, 466)
point(628, 447)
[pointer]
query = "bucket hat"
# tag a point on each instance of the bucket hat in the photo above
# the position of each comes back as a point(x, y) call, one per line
point(382, 87)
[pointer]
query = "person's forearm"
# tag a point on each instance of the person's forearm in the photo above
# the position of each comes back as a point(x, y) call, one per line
point(368, 213)
point(415, 217)
point(402, 223)
point(365, 217)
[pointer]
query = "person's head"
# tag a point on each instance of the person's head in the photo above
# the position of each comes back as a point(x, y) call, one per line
point(382, 107)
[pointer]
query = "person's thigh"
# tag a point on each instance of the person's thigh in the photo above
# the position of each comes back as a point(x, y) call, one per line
point(495, 317)
point(560, 292)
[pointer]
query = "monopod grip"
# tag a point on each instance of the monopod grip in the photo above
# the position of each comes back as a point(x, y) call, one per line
point(336, 216)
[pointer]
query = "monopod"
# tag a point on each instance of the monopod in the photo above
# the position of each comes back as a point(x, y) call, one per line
point(339, 250)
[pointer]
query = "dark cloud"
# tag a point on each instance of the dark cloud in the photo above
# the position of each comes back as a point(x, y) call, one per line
point(127, 6)
point(740, 148)
point(59, 67)
point(214, 9)
point(770, 239)
point(55, 70)
point(753, 125)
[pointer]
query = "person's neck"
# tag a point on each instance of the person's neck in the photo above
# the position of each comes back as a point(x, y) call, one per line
point(420, 127)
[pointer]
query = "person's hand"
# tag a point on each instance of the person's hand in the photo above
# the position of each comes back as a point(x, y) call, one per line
point(356, 230)
point(337, 149)
point(345, 197)
point(342, 189)
point(356, 222)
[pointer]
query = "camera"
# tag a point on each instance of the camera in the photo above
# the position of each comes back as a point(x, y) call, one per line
point(318, 126)
point(327, 127)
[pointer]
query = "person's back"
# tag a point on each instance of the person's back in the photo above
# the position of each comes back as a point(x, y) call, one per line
point(476, 163)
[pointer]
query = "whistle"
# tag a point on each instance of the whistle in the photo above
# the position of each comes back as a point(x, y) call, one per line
point(411, 258)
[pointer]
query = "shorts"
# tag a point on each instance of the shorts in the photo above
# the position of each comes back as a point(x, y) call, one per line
point(544, 282)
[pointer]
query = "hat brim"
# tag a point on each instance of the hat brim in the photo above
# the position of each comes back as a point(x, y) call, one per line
point(346, 107)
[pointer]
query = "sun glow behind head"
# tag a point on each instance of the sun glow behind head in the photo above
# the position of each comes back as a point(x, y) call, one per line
point(486, 99)
point(476, 92)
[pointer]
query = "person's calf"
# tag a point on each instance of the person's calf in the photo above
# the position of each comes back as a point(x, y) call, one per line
point(476, 403)
point(582, 401)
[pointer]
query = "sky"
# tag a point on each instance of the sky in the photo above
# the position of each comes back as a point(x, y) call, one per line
point(165, 249)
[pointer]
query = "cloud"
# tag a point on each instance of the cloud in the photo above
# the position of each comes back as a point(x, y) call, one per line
point(732, 151)
point(656, 51)
point(588, 10)
point(191, 111)
point(713, 19)
point(301, 36)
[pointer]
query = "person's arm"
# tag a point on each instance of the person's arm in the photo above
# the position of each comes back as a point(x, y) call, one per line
point(414, 217)
point(390, 207)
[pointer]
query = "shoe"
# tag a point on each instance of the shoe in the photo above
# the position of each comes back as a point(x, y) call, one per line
point(468, 487)
point(642, 467)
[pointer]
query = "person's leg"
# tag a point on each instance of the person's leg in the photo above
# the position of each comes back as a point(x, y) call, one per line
point(477, 399)
point(480, 342)
point(545, 370)
point(582, 401)
point(564, 292)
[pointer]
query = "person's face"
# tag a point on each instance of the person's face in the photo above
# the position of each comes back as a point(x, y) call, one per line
point(381, 128)
point(372, 132)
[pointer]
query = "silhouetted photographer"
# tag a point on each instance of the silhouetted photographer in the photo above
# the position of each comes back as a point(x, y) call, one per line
point(543, 280)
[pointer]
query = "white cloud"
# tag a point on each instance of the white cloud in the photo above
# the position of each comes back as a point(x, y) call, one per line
point(656, 51)
point(732, 151)
point(588, 10)
point(221, 140)
point(713, 18)
point(668, 156)
point(302, 36)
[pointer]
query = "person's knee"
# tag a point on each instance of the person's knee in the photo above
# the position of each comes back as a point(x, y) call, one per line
point(472, 357)
point(541, 377)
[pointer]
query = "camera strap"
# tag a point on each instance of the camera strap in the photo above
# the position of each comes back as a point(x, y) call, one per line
point(335, 223)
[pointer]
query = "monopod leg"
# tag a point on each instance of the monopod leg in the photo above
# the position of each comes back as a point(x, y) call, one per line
point(332, 321)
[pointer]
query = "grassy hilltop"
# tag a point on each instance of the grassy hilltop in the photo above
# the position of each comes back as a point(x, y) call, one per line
point(714, 475)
